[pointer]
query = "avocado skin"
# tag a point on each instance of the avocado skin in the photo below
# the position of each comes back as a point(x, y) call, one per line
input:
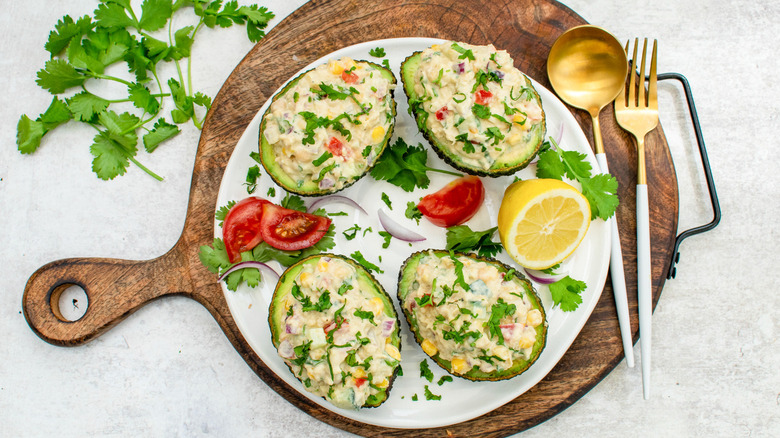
point(268, 158)
point(276, 328)
point(475, 374)
point(408, 69)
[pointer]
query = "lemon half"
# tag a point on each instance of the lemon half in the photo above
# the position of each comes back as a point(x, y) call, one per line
point(542, 221)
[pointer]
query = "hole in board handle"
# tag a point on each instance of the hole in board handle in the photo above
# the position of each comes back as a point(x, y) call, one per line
point(69, 302)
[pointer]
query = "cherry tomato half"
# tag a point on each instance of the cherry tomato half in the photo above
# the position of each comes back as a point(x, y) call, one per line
point(241, 228)
point(455, 203)
point(289, 230)
point(349, 77)
point(483, 96)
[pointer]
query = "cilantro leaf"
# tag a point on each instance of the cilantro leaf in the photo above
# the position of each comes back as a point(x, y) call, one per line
point(142, 98)
point(223, 211)
point(85, 106)
point(600, 190)
point(162, 131)
point(293, 202)
point(405, 166)
point(566, 293)
point(114, 15)
point(155, 14)
point(110, 158)
point(57, 76)
point(463, 239)
point(65, 31)
point(377, 52)
point(28, 134)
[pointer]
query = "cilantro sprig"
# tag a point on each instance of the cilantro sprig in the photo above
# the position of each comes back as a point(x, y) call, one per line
point(405, 166)
point(463, 239)
point(600, 190)
point(82, 50)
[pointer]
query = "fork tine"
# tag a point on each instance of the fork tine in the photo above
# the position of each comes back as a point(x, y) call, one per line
point(620, 100)
point(632, 75)
point(652, 90)
point(641, 96)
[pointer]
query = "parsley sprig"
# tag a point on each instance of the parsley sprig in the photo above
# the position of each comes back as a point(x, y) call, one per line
point(82, 50)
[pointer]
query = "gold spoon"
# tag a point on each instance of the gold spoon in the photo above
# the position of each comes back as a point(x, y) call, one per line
point(587, 67)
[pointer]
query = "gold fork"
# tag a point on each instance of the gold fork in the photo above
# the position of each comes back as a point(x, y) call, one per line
point(637, 113)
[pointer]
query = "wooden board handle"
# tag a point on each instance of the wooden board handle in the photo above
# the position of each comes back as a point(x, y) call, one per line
point(114, 288)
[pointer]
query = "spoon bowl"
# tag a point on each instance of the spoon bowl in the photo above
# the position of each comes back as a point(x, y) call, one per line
point(587, 68)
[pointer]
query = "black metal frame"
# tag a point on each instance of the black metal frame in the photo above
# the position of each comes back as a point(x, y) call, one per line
point(707, 174)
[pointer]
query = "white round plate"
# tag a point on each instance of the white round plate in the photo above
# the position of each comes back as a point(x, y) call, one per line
point(461, 400)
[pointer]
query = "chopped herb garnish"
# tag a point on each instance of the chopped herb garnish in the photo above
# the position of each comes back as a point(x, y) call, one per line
point(323, 158)
point(464, 54)
point(497, 312)
point(366, 315)
point(386, 200)
point(463, 239)
point(431, 396)
point(444, 379)
point(425, 371)
point(386, 236)
point(412, 212)
point(351, 232)
point(377, 52)
point(365, 263)
point(481, 111)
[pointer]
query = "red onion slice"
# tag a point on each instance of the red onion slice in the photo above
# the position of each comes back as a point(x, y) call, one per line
point(333, 199)
point(396, 230)
point(542, 278)
point(250, 264)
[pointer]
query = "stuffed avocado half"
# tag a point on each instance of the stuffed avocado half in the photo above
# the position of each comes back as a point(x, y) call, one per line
point(476, 317)
point(479, 113)
point(326, 128)
point(337, 330)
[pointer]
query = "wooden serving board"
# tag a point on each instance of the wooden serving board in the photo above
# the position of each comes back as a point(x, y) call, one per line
point(525, 28)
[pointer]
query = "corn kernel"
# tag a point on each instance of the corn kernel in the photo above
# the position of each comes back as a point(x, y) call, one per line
point(305, 276)
point(473, 130)
point(322, 266)
point(526, 342)
point(378, 133)
point(435, 47)
point(376, 305)
point(534, 318)
point(359, 373)
point(383, 384)
point(459, 365)
point(336, 68)
point(429, 348)
point(392, 351)
point(514, 139)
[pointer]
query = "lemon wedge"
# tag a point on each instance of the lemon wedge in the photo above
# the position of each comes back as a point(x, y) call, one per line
point(542, 221)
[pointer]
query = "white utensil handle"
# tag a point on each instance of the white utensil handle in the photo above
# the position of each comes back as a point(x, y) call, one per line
point(619, 280)
point(644, 283)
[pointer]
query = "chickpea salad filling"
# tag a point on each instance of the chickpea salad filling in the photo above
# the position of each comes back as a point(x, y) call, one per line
point(482, 108)
point(327, 128)
point(336, 331)
point(469, 313)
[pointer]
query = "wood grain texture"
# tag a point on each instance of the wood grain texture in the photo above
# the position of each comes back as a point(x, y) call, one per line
point(525, 28)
